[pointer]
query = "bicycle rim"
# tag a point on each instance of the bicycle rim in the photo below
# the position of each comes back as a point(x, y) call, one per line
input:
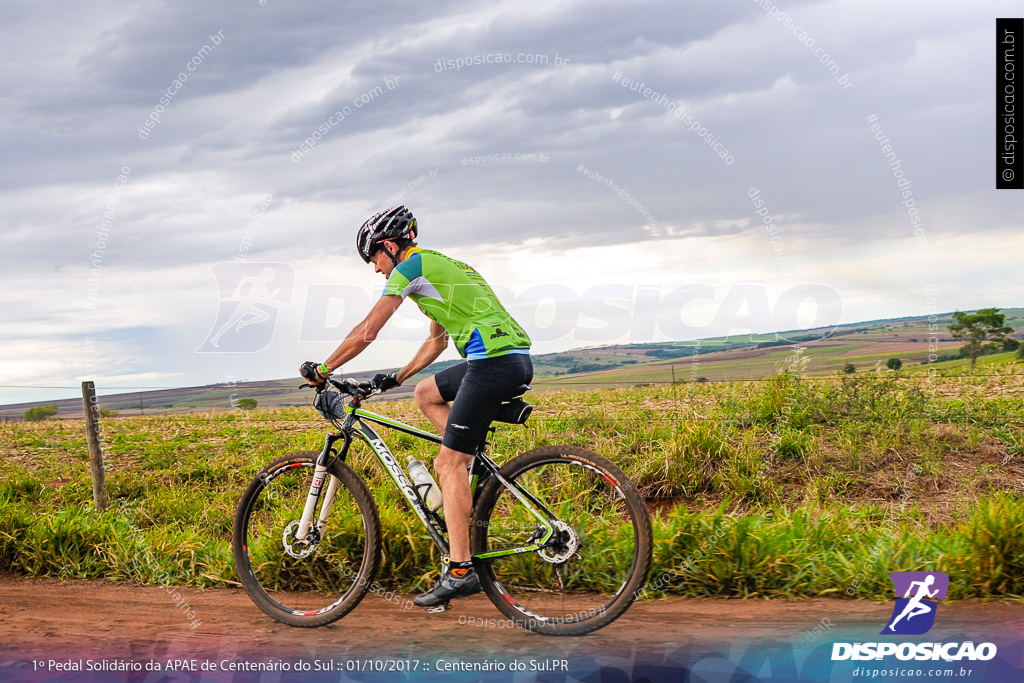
point(292, 577)
point(599, 556)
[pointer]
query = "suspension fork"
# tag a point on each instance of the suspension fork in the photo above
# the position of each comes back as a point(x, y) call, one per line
point(319, 474)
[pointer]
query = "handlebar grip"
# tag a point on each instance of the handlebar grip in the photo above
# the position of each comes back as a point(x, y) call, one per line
point(308, 371)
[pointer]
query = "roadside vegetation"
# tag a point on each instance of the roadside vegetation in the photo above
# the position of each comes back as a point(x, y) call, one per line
point(830, 483)
point(41, 412)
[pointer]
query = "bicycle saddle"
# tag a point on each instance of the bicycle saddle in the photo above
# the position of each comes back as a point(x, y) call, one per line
point(515, 411)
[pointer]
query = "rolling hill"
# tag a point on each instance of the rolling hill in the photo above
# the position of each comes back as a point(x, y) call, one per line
point(745, 357)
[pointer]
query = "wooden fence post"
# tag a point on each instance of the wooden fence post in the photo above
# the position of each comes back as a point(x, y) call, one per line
point(92, 437)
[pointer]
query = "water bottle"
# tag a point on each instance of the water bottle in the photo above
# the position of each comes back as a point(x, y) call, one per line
point(421, 480)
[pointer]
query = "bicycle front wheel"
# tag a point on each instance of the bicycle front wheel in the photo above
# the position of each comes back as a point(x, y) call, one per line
point(590, 575)
point(322, 578)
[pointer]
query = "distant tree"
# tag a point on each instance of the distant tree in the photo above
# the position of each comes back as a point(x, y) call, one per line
point(982, 330)
point(109, 412)
point(849, 369)
point(246, 403)
point(1020, 352)
point(1010, 345)
point(41, 412)
point(894, 364)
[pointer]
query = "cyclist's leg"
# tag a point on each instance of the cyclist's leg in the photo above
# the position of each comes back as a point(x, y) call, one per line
point(434, 393)
point(451, 466)
point(485, 384)
point(433, 407)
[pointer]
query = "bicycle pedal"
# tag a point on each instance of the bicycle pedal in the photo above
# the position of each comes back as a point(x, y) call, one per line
point(437, 609)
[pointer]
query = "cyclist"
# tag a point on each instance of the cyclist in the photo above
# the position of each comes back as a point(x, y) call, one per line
point(460, 401)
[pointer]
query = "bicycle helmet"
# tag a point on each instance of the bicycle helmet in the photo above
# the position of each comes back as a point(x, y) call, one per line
point(397, 222)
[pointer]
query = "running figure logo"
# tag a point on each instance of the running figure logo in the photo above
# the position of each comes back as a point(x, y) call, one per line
point(913, 615)
point(251, 295)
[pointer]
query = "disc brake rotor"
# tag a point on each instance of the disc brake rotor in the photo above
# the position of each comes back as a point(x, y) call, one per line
point(568, 544)
point(297, 549)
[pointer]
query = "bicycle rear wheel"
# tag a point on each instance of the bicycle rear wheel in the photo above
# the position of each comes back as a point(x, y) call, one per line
point(590, 577)
point(299, 583)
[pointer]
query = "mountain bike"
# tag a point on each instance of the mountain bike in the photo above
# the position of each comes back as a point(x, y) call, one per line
point(560, 538)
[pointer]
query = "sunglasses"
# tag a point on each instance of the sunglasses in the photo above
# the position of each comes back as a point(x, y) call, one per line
point(373, 254)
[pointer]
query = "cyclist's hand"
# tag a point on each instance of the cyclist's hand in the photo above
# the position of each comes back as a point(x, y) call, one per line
point(311, 371)
point(385, 381)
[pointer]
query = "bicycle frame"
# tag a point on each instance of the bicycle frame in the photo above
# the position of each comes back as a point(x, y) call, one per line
point(357, 424)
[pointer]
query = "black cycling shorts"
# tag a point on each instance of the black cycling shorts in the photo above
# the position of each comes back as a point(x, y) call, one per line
point(477, 388)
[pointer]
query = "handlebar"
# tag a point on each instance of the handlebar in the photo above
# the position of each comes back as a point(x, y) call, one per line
point(357, 390)
point(349, 387)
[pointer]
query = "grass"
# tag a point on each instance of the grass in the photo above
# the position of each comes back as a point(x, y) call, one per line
point(927, 472)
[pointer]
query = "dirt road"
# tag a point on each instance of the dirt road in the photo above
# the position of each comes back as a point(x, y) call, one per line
point(47, 618)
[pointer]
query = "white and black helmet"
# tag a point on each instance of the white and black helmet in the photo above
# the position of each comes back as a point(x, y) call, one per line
point(395, 223)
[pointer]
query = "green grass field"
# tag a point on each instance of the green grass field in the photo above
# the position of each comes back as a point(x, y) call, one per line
point(919, 474)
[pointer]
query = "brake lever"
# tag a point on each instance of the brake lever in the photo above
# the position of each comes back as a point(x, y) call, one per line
point(340, 386)
point(369, 391)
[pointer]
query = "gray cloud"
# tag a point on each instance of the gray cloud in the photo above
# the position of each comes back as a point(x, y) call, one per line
point(83, 78)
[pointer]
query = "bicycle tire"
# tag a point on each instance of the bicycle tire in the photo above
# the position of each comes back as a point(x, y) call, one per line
point(368, 567)
point(503, 597)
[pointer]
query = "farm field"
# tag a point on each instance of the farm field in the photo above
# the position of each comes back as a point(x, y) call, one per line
point(742, 357)
point(864, 345)
point(927, 474)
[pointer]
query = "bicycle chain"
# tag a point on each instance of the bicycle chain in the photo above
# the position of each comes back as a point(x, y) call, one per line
point(560, 583)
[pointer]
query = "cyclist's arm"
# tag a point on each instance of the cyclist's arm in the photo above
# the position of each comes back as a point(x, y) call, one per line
point(428, 353)
point(365, 332)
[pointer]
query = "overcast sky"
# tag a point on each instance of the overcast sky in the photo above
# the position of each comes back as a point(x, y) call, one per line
point(81, 80)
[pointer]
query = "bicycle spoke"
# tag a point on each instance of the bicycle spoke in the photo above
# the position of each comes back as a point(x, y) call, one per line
point(592, 561)
point(304, 577)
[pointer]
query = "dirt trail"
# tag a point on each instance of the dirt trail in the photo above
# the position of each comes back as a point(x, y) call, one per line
point(50, 618)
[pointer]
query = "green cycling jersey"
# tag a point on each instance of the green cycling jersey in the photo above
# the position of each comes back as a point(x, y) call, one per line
point(456, 297)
